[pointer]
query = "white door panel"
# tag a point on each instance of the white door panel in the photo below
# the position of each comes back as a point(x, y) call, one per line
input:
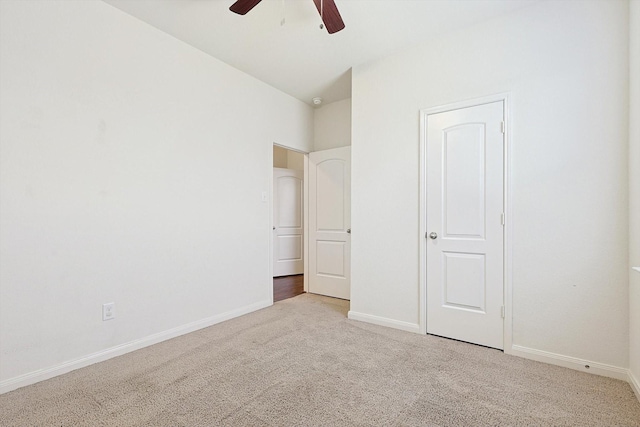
point(330, 194)
point(330, 256)
point(329, 222)
point(287, 222)
point(464, 181)
point(464, 209)
point(464, 284)
point(290, 249)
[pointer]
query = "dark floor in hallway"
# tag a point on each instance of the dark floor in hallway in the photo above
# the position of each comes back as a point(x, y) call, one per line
point(287, 287)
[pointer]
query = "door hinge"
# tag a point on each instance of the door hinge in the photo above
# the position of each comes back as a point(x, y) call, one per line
point(502, 219)
point(502, 311)
point(503, 127)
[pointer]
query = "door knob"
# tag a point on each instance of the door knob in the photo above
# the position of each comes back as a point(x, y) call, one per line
point(433, 235)
point(274, 228)
point(348, 231)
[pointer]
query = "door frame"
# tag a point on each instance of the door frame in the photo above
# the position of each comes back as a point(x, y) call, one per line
point(305, 215)
point(508, 228)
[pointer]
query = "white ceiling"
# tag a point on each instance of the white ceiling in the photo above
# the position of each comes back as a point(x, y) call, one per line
point(299, 58)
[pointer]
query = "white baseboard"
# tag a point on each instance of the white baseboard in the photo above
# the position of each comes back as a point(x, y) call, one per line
point(383, 321)
point(81, 362)
point(570, 362)
point(635, 384)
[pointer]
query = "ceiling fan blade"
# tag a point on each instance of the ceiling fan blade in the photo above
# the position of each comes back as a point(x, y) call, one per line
point(330, 15)
point(241, 7)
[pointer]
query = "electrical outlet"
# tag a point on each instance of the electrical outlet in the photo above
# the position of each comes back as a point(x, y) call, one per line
point(108, 311)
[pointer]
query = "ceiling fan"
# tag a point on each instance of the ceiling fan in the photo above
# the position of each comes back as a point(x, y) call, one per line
point(326, 8)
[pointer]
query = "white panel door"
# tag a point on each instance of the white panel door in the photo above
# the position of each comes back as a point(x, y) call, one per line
point(330, 222)
point(287, 222)
point(465, 224)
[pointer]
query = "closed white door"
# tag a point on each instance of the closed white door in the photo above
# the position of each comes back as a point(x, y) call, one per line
point(287, 222)
point(465, 224)
point(330, 222)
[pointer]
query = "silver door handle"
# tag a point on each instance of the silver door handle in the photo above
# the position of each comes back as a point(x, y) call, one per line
point(433, 235)
point(348, 231)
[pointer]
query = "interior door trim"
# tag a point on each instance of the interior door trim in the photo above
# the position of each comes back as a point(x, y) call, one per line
point(508, 229)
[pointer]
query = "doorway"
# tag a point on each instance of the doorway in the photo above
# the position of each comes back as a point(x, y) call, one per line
point(311, 241)
point(463, 217)
point(288, 192)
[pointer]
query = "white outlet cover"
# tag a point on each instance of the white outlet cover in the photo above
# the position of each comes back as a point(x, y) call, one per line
point(108, 311)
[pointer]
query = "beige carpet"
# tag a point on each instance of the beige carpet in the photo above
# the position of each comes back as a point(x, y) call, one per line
point(301, 362)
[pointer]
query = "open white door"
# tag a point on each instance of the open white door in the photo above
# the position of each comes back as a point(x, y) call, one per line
point(465, 220)
point(330, 222)
point(287, 222)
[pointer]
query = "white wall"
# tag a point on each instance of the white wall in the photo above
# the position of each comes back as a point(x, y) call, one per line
point(332, 125)
point(120, 183)
point(566, 66)
point(634, 194)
